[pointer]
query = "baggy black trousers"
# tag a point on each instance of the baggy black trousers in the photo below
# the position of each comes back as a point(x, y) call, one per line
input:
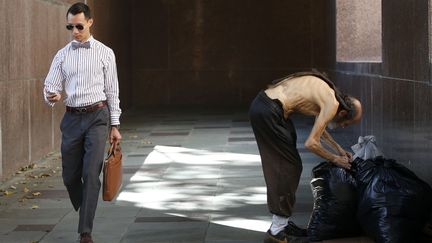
point(84, 136)
point(276, 138)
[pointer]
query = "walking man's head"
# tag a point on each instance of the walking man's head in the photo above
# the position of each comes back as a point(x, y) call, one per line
point(79, 21)
point(350, 113)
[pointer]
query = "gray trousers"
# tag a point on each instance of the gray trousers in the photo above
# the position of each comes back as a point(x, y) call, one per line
point(84, 136)
point(282, 166)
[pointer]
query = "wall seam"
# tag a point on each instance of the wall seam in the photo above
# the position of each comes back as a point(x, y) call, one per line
point(22, 79)
point(29, 122)
point(1, 149)
point(52, 130)
point(429, 41)
point(61, 3)
point(381, 76)
point(311, 22)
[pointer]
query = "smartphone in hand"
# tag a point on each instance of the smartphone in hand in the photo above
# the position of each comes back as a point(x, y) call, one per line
point(52, 96)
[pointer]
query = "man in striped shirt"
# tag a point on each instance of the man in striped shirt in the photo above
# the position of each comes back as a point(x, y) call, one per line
point(86, 69)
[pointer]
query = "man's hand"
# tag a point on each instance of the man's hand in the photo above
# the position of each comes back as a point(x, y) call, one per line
point(53, 97)
point(342, 161)
point(346, 153)
point(115, 135)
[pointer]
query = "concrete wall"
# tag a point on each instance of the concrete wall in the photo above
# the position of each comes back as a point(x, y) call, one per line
point(112, 26)
point(29, 38)
point(396, 93)
point(215, 53)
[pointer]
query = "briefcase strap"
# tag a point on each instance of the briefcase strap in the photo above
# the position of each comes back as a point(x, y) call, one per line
point(114, 148)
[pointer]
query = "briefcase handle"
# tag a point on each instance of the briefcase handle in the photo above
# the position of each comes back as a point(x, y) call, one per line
point(114, 149)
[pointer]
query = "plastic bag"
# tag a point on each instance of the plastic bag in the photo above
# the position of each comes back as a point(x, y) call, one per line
point(335, 203)
point(394, 204)
point(366, 148)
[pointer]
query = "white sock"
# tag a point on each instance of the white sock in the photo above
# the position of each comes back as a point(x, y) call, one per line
point(278, 224)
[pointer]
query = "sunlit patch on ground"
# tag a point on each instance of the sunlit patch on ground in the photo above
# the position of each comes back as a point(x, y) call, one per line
point(192, 180)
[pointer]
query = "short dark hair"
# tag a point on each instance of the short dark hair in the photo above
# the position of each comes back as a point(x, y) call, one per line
point(78, 8)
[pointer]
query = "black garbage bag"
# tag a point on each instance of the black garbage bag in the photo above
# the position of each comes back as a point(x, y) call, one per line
point(427, 230)
point(335, 203)
point(394, 203)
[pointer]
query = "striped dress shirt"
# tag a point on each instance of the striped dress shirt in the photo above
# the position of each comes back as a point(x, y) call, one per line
point(88, 75)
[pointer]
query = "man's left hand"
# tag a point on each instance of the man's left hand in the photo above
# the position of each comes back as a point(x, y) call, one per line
point(347, 154)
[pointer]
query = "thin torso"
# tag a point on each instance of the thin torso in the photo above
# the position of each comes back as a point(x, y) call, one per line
point(311, 95)
point(306, 95)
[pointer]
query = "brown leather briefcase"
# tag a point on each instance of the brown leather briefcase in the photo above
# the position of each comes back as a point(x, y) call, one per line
point(112, 172)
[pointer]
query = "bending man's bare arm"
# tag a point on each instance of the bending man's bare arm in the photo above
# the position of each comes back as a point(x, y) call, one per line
point(330, 141)
point(313, 142)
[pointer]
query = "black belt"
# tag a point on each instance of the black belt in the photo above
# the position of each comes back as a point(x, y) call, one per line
point(86, 109)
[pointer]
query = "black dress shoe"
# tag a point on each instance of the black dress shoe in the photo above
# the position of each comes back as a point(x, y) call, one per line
point(280, 237)
point(86, 238)
point(294, 230)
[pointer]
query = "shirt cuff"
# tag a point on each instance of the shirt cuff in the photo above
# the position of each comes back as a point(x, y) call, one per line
point(115, 120)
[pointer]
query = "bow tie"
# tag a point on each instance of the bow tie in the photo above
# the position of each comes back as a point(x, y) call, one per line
point(76, 45)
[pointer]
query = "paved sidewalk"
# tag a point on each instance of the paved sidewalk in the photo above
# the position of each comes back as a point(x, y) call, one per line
point(189, 176)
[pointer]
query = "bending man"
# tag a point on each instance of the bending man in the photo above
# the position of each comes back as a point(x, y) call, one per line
point(308, 93)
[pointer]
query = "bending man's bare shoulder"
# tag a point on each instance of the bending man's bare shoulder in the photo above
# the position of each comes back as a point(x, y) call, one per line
point(305, 94)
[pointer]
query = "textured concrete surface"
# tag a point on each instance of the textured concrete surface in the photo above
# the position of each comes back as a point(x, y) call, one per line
point(189, 176)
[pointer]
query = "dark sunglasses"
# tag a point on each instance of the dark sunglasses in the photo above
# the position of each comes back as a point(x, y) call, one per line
point(78, 26)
